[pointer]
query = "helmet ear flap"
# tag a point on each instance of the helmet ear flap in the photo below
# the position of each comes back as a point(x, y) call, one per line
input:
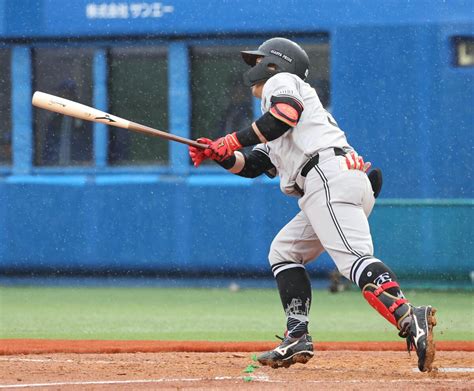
point(262, 71)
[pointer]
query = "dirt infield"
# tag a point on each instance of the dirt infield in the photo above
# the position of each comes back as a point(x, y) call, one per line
point(148, 365)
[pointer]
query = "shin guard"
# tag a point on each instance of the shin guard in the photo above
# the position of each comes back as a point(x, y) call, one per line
point(380, 288)
point(392, 308)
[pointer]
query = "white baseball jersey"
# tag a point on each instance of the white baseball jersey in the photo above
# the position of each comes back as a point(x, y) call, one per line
point(315, 131)
point(336, 200)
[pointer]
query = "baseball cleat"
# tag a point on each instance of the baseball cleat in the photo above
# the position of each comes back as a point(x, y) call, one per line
point(289, 352)
point(419, 334)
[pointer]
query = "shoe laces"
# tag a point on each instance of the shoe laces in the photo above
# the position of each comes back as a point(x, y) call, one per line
point(285, 336)
point(405, 333)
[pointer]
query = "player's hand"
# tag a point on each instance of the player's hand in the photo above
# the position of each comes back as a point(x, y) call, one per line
point(356, 162)
point(223, 148)
point(197, 154)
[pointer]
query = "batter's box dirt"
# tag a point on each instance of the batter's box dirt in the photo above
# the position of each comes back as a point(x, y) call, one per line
point(328, 370)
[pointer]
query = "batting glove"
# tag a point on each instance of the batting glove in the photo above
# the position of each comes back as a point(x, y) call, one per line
point(197, 154)
point(356, 162)
point(223, 148)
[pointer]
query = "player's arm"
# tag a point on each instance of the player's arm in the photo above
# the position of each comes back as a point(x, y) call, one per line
point(249, 164)
point(284, 114)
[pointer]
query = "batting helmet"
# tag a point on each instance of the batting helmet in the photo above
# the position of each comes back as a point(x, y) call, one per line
point(278, 55)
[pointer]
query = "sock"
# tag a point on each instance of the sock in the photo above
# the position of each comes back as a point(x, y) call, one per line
point(294, 287)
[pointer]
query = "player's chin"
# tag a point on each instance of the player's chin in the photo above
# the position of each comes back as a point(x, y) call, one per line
point(257, 90)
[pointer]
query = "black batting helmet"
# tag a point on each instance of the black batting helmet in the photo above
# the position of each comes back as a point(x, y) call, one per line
point(278, 55)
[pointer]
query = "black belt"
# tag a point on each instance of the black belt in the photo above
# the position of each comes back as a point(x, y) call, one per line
point(315, 160)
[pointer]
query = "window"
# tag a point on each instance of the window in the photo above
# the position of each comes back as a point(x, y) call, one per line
point(464, 49)
point(5, 107)
point(138, 91)
point(319, 76)
point(221, 103)
point(62, 140)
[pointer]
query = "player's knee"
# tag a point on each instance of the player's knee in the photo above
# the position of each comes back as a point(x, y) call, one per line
point(369, 270)
point(281, 259)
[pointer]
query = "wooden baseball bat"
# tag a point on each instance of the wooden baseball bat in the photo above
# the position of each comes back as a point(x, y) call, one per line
point(78, 110)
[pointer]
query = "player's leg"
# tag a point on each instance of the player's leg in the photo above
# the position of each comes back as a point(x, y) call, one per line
point(294, 246)
point(340, 222)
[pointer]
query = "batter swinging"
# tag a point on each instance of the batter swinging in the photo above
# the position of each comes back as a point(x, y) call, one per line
point(297, 139)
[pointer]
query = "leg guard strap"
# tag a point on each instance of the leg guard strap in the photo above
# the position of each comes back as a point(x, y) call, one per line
point(383, 302)
point(397, 304)
point(385, 286)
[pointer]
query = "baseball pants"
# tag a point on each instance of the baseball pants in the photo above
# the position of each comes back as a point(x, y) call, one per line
point(333, 218)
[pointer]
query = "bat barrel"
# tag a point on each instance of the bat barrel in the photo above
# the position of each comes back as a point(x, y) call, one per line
point(78, 110)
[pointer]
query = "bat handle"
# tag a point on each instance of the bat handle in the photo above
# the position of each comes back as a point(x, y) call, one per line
point(199, 145)
point(173, 137)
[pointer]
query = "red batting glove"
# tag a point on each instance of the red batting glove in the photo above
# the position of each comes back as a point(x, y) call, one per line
point(223, 148)
point(197, 154)
point(356, 162)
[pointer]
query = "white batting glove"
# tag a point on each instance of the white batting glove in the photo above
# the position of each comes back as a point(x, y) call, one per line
point(356, 162)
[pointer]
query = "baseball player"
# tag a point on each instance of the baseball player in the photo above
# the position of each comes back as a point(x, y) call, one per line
point(298, 140)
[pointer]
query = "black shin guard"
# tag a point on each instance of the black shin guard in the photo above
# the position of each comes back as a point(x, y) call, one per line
point(380, 288)
point(294, 286)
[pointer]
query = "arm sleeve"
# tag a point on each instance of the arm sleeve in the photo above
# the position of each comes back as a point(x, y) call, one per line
point(254, 163)
point(257, 162)
point(264, 129)
point(282, 106)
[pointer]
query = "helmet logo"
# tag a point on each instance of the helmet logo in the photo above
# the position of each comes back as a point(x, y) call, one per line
point(280, 54)
point(306, 73)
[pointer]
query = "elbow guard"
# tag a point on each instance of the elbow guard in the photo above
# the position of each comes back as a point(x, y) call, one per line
point(286, 109)
point(284, 114)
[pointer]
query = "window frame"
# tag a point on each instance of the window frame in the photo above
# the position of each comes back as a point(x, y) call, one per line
point(5, 167)
point(179, 119)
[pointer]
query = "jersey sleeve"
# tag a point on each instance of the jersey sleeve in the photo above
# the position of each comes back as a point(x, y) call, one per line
point(280, 86)
point(281, 99)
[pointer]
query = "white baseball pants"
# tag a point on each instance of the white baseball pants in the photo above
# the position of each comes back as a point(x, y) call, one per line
point(333, 218)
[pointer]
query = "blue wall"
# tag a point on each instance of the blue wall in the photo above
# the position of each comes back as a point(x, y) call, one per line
point(394, 90)
point(151, 223)
point(53, 18)
point(404, 105)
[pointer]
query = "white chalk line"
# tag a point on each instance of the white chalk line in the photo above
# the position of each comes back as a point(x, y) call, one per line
point(258, 378)
point(451, 370)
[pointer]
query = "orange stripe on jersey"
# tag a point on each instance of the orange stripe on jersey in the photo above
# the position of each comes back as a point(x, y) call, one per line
point(285, 113)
